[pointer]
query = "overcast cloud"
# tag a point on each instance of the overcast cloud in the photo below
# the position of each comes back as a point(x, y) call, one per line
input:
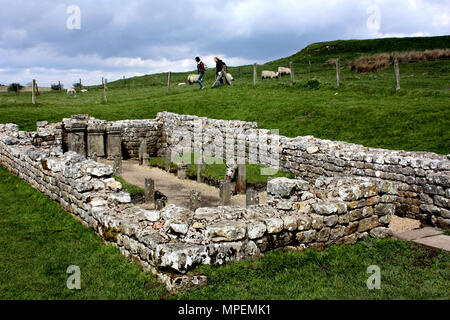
point(136, 37)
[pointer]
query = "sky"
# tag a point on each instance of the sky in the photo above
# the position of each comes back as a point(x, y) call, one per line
point(53, 41)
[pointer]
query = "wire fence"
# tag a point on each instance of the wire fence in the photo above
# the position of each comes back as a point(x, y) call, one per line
point(332, 72)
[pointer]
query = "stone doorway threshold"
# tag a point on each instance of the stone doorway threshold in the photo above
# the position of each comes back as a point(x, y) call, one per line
point(427, 236)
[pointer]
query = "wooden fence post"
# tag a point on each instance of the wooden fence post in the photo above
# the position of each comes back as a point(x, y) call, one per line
point(239, 72)
point(338, 73)
point(168, 81)
point(33, 97)
point(80, 84)
point(291, 66)
point(254, 74)
point(397, 74)
point(105, 90)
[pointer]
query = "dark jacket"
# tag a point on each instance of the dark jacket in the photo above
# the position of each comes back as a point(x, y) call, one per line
point(219, 65)
point(200, 67)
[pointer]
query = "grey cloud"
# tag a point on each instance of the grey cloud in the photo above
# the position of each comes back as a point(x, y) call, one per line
point(33, 34)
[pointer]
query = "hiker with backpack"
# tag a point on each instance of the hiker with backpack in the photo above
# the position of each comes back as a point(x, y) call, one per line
point(201, 68)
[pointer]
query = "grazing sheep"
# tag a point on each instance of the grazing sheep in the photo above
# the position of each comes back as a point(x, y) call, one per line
point(230, 77)
point(269, 74)
point(192, 78)
point(284, 71)
point(71, 91)
point(83, 90)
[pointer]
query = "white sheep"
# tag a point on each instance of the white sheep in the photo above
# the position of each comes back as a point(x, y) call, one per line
point(192, 78)
point(71, 91)
point(269, 74)
point(230, 77)
point(83, 90)
point(282, 71)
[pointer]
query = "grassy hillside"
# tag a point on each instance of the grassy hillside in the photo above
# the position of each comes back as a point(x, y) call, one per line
point(39, 240)
point(365, 109)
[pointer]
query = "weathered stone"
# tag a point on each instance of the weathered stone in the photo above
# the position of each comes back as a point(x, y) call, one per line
point(351, 239)
point(304, 222)
point(226, 231)
point(172, 211)
point(149, 190)
point(381, 232)
point(113, 142)
point(325, 208)
point(317, 221)
point(96, 139)
point(207, 214)
point(385, 209)
point(337, 232)
point(330, 221)
point(181, 228)
point(323, 235)
point(114, 185)
point(368, 223)
point(225, 193)
point(274, 225)
point(99, 169)
point(195, 200)
point(121, 197)
point(306, 236)
point(351, 193)
point(283, 186)
point(152, 215)
point(290, 223)
point(256, 229)
point(76, 132)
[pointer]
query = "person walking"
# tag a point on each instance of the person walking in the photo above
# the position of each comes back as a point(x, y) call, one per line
point(201, 71)
point(220, 66)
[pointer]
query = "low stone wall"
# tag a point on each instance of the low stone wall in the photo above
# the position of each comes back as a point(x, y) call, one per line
point(134, 131)
point(423, 178)
point(334, 210)
point(170, 241)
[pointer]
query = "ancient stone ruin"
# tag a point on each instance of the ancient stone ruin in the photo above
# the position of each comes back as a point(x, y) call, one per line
point(343, 192)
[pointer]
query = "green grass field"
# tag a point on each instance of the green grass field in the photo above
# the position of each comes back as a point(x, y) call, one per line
point(365, 109)
point(38, 240)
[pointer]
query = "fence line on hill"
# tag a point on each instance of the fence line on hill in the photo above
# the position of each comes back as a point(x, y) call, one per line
point(243, 74)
